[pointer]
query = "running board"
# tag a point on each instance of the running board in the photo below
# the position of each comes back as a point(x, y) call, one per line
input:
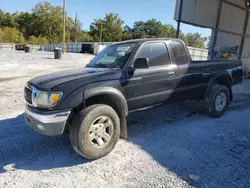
point(145, 108)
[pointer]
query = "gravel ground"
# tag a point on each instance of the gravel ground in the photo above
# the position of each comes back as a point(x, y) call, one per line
point(166, 145)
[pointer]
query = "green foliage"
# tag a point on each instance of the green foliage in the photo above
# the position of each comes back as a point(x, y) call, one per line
point(12, 35)
point(196, 40)
point(84, 36)
point(27, 24)
point(48, 19)
point(44, 25)
point(153, 29)
point(77, 34)
point(42, 40)
point(167, 31)
point(139, 30)
point(37, 40)
point(127, 33)
point(1, 35)
point(7, 19)
point(109, 28)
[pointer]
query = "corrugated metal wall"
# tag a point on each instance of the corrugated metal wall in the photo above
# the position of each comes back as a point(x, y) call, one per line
point(226, 40)
point(240, 3)
point(231, 23)
point(197, 11)
point(232, 19)
point(248, 27)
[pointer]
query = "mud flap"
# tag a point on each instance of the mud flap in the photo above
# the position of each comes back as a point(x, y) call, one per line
point(207, 105)
point(124, 127)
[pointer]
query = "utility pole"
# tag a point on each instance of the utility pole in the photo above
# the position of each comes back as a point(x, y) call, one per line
point(64, 12)
point(101, 33)
point(76, 25)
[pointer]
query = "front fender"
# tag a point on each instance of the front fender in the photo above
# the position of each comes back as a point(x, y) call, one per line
point(80, 95)
point(115, 93)
point(107, 91)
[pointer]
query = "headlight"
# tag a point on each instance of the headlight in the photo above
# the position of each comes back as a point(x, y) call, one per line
point(47, 98)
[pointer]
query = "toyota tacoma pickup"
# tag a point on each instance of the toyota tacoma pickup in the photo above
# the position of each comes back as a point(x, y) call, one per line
point(92, 103)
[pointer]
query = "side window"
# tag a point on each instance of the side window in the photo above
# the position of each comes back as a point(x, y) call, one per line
point(156, 52)
point(179, 53)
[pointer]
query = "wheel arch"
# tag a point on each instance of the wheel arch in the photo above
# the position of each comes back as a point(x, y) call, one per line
point(112, 97)
point(108, 91)
point(222, 79)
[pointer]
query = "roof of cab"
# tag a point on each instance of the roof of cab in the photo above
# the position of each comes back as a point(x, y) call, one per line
point(146, 40)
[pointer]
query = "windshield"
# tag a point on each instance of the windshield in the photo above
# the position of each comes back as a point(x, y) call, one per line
point(114, 56)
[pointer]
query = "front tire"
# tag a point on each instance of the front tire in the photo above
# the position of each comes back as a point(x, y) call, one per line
point(218, 100)
point(95, 131)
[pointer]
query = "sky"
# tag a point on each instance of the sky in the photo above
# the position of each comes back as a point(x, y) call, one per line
point(129, 10)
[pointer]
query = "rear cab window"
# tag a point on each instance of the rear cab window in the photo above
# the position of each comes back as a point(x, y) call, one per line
point(156, 52)
point(179, 52)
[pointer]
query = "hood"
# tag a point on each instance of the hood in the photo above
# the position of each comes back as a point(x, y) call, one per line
point(49, 81)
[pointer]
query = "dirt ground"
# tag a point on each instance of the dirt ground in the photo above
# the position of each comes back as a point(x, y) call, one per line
point(166, 145)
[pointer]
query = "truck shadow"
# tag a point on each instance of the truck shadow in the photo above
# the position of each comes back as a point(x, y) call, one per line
point(156, 131)
point(187, 145)
point(28, 150)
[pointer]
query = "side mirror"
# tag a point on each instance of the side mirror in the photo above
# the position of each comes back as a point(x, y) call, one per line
point(141, 63)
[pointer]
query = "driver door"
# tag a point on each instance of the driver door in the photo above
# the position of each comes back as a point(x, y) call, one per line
point(152, 85)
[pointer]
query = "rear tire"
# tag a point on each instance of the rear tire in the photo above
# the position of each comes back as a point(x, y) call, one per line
point(218, 100)
point(95, 131)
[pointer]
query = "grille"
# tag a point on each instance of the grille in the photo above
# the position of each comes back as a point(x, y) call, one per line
point(28, 95)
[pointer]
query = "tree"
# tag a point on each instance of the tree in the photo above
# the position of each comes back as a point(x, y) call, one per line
point(110, 27)
point(84, 36)
point(75, 30)
point(139, 30)
point(27, 24)
point(167, 31)
point(37, 40)
point(153, 29)
point(1, 35)
point(7, 19)
point(42, 40)
point(48, 19)
point(195, 40)
point(77, 34)
point(44, 25)
point(12, 35)
point(127, 33)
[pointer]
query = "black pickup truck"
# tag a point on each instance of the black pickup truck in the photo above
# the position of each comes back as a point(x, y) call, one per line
point(92, 103)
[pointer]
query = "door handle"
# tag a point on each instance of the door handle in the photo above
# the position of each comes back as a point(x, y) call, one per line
point(208, 69)
point(135, 78)
point(171, 74)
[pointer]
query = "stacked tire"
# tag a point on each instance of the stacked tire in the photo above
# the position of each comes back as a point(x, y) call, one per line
point(19, 47)
point(87, 48)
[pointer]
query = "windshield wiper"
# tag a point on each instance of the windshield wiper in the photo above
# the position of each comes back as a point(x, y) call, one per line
point(107, 66)
point(90, 66)
point(101, 65)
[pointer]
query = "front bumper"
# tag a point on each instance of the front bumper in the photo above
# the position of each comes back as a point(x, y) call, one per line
point(47, 123)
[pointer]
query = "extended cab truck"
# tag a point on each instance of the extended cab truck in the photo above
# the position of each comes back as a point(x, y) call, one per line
point(92, 103)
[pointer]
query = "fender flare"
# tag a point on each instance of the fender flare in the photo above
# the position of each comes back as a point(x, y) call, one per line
point(108, 91)
point(213, 80)
point(119, 97)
